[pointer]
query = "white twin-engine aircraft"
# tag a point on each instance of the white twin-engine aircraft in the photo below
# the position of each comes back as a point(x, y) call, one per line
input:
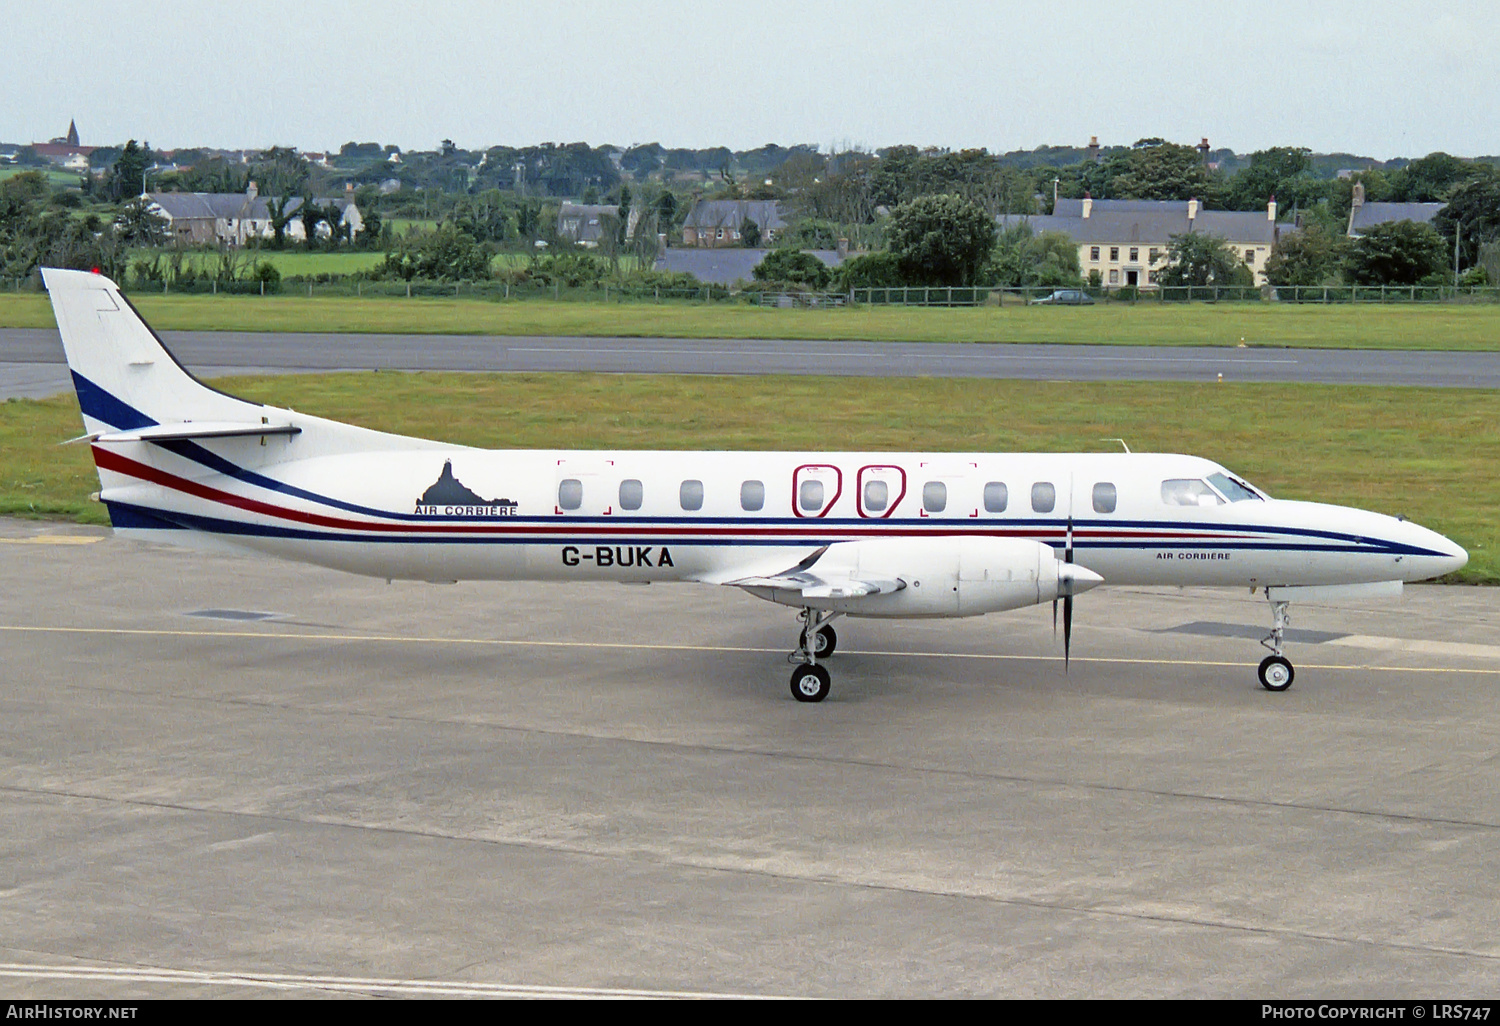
point(864, 534)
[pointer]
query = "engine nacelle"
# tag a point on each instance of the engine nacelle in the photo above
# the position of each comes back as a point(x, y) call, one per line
point(943, 577)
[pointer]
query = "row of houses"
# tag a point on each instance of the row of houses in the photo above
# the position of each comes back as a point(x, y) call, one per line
point(1125, 241)
point(235, 218)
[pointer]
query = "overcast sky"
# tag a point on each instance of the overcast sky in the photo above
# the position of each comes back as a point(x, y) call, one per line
point(1384, 78)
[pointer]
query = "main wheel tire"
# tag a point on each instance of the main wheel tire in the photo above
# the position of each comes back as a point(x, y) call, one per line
point(810, 683)
point(824, 642)
point(1276, 673)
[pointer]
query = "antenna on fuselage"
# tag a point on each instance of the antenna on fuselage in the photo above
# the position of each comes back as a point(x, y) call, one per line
point(1120, 440)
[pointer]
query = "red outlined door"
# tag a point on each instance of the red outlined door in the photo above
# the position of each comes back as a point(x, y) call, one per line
point(815, 488)
point(881, 489)
point(943, 489)
point(585, 487)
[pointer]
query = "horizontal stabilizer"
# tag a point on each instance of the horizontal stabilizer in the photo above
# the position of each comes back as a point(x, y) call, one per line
point(196, 429)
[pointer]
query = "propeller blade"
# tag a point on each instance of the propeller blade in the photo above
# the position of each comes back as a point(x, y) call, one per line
point(1067, 630)
point(1054, 618)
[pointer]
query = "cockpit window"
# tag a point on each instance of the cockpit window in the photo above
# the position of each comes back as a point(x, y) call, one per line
point(1189, 492)
point(1232, 489)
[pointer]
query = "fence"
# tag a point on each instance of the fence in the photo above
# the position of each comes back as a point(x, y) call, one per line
point(1008, 296)
point(920, 296)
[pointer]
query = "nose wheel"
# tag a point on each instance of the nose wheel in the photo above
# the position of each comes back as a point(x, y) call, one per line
point(815, 640)
point(810, 683)
point(1276, 672)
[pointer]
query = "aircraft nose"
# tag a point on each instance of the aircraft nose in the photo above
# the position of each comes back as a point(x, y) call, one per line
point(1448, 556)
point(1456, 559)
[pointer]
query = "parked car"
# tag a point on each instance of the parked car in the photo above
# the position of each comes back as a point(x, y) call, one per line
point(1066, 297)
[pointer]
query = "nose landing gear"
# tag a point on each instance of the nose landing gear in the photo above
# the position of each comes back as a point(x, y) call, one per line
point(817, 640)
point(1276, 672)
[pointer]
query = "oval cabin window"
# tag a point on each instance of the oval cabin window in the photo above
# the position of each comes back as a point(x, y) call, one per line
point(1043, 497)
point(1105, 497)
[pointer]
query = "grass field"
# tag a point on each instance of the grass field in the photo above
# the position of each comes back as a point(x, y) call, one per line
point(54, 176)
point(288, 261)
point(1461, 327)
point(1427, 453)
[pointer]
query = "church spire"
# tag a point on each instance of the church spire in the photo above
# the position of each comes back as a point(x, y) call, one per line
point(72, 132)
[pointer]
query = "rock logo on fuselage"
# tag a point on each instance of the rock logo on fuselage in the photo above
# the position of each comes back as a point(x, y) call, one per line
point(449, 497)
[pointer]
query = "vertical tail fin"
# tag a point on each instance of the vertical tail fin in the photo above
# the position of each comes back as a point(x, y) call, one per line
point(124, 376)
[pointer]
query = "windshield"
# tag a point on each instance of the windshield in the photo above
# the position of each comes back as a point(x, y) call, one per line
point(1233, 488)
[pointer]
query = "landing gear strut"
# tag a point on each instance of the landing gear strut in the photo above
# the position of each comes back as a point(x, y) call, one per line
point(1276, 672)
point(816, 640)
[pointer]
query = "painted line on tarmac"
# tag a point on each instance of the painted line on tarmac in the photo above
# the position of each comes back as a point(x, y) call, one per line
point(344, 984)
point(657, 647)
point(847, 355)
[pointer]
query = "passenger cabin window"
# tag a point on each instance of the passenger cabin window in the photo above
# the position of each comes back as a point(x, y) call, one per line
point(877, 496)
point(996, 497)
point(934, 496)
point(1189, 492)
point(1234, 491)
point(753, 496)
point(569, 493)
point(1105, 497)
point(1043, 497)
point(810, 496)
point(631, 494)
point(690, 495)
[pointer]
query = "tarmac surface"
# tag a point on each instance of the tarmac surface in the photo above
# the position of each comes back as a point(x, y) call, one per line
point(228, 776)
point(31, 359)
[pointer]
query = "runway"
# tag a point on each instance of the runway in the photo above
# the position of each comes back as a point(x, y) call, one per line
point(31, 359)
point(225, 776)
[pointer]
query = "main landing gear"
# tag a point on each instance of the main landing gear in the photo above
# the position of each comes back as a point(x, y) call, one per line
point(1276, 672)
point(816, 640)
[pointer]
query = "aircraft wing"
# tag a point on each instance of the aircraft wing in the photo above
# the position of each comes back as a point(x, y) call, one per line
point(832, 581)
point(823, 585)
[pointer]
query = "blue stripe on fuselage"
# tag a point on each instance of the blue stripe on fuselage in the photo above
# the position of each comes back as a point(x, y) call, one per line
point(129, 515)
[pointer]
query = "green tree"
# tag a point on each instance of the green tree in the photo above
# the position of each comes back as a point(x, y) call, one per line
point(1396, 253)
point(338, 229)
point(1428, 179)
point(749, 234)
point(370, 232)
point(941, 240)
point(445, 254)
point(139, 225)
point(1312, 256)
point(1472, 214)
point(1197, 259)
point(280, 216)
point(793, 267)
point(311, 215)
point(869, 271)
point(127, 174)
point(281, 171)
point(1282, 171)
point(1153, 169)
point(1047, 260)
